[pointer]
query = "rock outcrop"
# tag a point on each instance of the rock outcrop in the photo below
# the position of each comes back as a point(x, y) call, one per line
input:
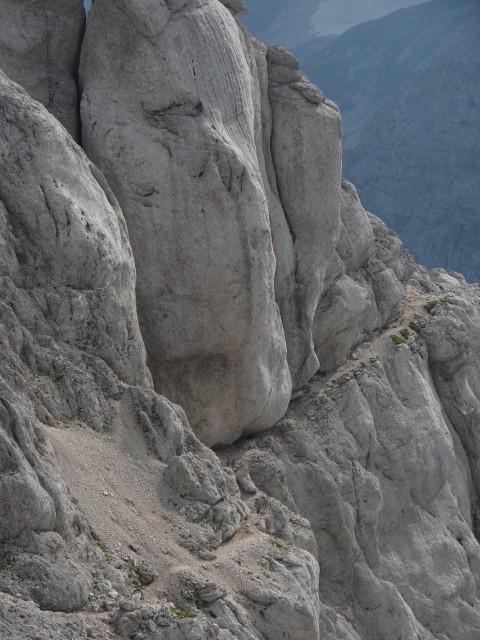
point(364, 284)
point(73, 362)
point(382, 460)
point(225, 219)
point(67, 316)
point(40, 48)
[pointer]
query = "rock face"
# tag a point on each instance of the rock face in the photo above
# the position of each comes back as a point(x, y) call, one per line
point(73, 360)
point(217, 165)
point(67, 315)
point(363, 285)
point(383, 462)
point(40, 48)
point(356, 517)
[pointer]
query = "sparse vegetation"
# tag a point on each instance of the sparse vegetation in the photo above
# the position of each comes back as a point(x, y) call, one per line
point(182, 613)
point(102, 546)
point(278, 545)
point(133, 575)
point(430, 306)
point(397, 339)
point(405, 333)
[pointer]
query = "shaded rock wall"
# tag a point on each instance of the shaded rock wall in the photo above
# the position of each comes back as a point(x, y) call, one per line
point(40, 48)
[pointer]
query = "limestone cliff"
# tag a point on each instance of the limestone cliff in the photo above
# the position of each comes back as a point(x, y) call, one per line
point(226, 163)
point(251, 264)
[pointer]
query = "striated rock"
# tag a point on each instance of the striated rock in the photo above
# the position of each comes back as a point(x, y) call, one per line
point(305, 147)
point(205, 294)
point(189, 150)
point(40, 49)
point(235, 6)
point(357, 516)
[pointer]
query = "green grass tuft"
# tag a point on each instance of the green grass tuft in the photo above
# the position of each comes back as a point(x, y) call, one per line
point(183, 613)
point(278, 545)
point(430, 306)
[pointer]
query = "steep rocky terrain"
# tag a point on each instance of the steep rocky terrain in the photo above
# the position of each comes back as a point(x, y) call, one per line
point(408, 89)
point(338, 380)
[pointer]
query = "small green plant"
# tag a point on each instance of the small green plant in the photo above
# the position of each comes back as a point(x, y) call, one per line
point(415, 326)
point(430, 306)
point(133, 575)
point(274, 542)
point(101, 545)
point(405, 333)
point(71, 422)
point(182, 613)
point(397, 339)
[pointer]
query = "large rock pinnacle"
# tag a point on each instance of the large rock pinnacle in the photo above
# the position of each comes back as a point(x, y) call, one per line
point(184, 140)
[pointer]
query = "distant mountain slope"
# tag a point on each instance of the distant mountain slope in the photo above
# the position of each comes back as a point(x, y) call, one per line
point(409, 91)
point(336, 16)
point(292, 24)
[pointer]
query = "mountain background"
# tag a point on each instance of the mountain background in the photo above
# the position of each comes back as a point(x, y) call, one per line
point(293, 23)
point(408, 89)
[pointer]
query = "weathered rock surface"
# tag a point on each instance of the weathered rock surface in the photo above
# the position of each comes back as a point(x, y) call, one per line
point(73, 360)
point(364, 284)
point(197, 147)
point(39, 49)
point(22, 620)
point(68, 322)
point(357, 516)
point(383, 462)
point(308, 185)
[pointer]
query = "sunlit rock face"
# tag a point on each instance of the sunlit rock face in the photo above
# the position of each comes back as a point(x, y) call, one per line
point(176, 112)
